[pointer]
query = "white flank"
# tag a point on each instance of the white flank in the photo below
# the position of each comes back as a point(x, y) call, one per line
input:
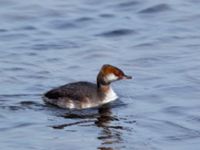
point(111, 77)
point(70, 104)
point(110, 96)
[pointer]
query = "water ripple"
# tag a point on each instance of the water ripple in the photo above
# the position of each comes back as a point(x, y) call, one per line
point(118, 32)
point(3, 30)
point(26, 28)
point(84, 19)
point(128, 4)
point(156, 9)
point(62, 24)
point(48, 43)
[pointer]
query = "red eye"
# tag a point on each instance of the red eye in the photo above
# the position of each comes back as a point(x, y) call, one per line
point(119, 74)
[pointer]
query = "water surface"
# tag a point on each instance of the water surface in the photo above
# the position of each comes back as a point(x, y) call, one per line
point(48, 43)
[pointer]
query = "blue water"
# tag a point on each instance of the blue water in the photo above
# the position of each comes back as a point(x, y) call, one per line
point(44, 44)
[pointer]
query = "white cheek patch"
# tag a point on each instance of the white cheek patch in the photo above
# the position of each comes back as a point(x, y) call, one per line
point(111, 77)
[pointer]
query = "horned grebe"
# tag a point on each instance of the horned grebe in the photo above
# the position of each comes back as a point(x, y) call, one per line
point(80, 95)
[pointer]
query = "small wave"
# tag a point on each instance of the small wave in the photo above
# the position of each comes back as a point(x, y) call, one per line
point(14, 69)
point(143, 45)
point(107, 15)
point(70, 124)
point(128, 4)
point(13, 37)
point(20, 125)
point(19, 95)
point(175, 110)
point(54, 46)
point(182, 137)
point(84, 19)
point(26, 28)
point(119, 32)
point(30, 103)
point(147, 61)
point(155, 9)
point(62, 24)
point(3, 30)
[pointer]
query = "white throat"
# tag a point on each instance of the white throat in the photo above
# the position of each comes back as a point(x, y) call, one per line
point(110, 96)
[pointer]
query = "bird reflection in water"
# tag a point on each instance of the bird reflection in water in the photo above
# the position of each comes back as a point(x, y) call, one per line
point(109, 134)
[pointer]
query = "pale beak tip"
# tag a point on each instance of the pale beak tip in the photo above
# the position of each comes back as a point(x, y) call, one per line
point(127, 77)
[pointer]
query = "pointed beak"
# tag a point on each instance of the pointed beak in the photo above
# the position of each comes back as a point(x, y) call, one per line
point(126, 77)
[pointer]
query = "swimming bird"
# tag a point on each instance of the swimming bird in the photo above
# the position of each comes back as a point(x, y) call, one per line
point(81, 95)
